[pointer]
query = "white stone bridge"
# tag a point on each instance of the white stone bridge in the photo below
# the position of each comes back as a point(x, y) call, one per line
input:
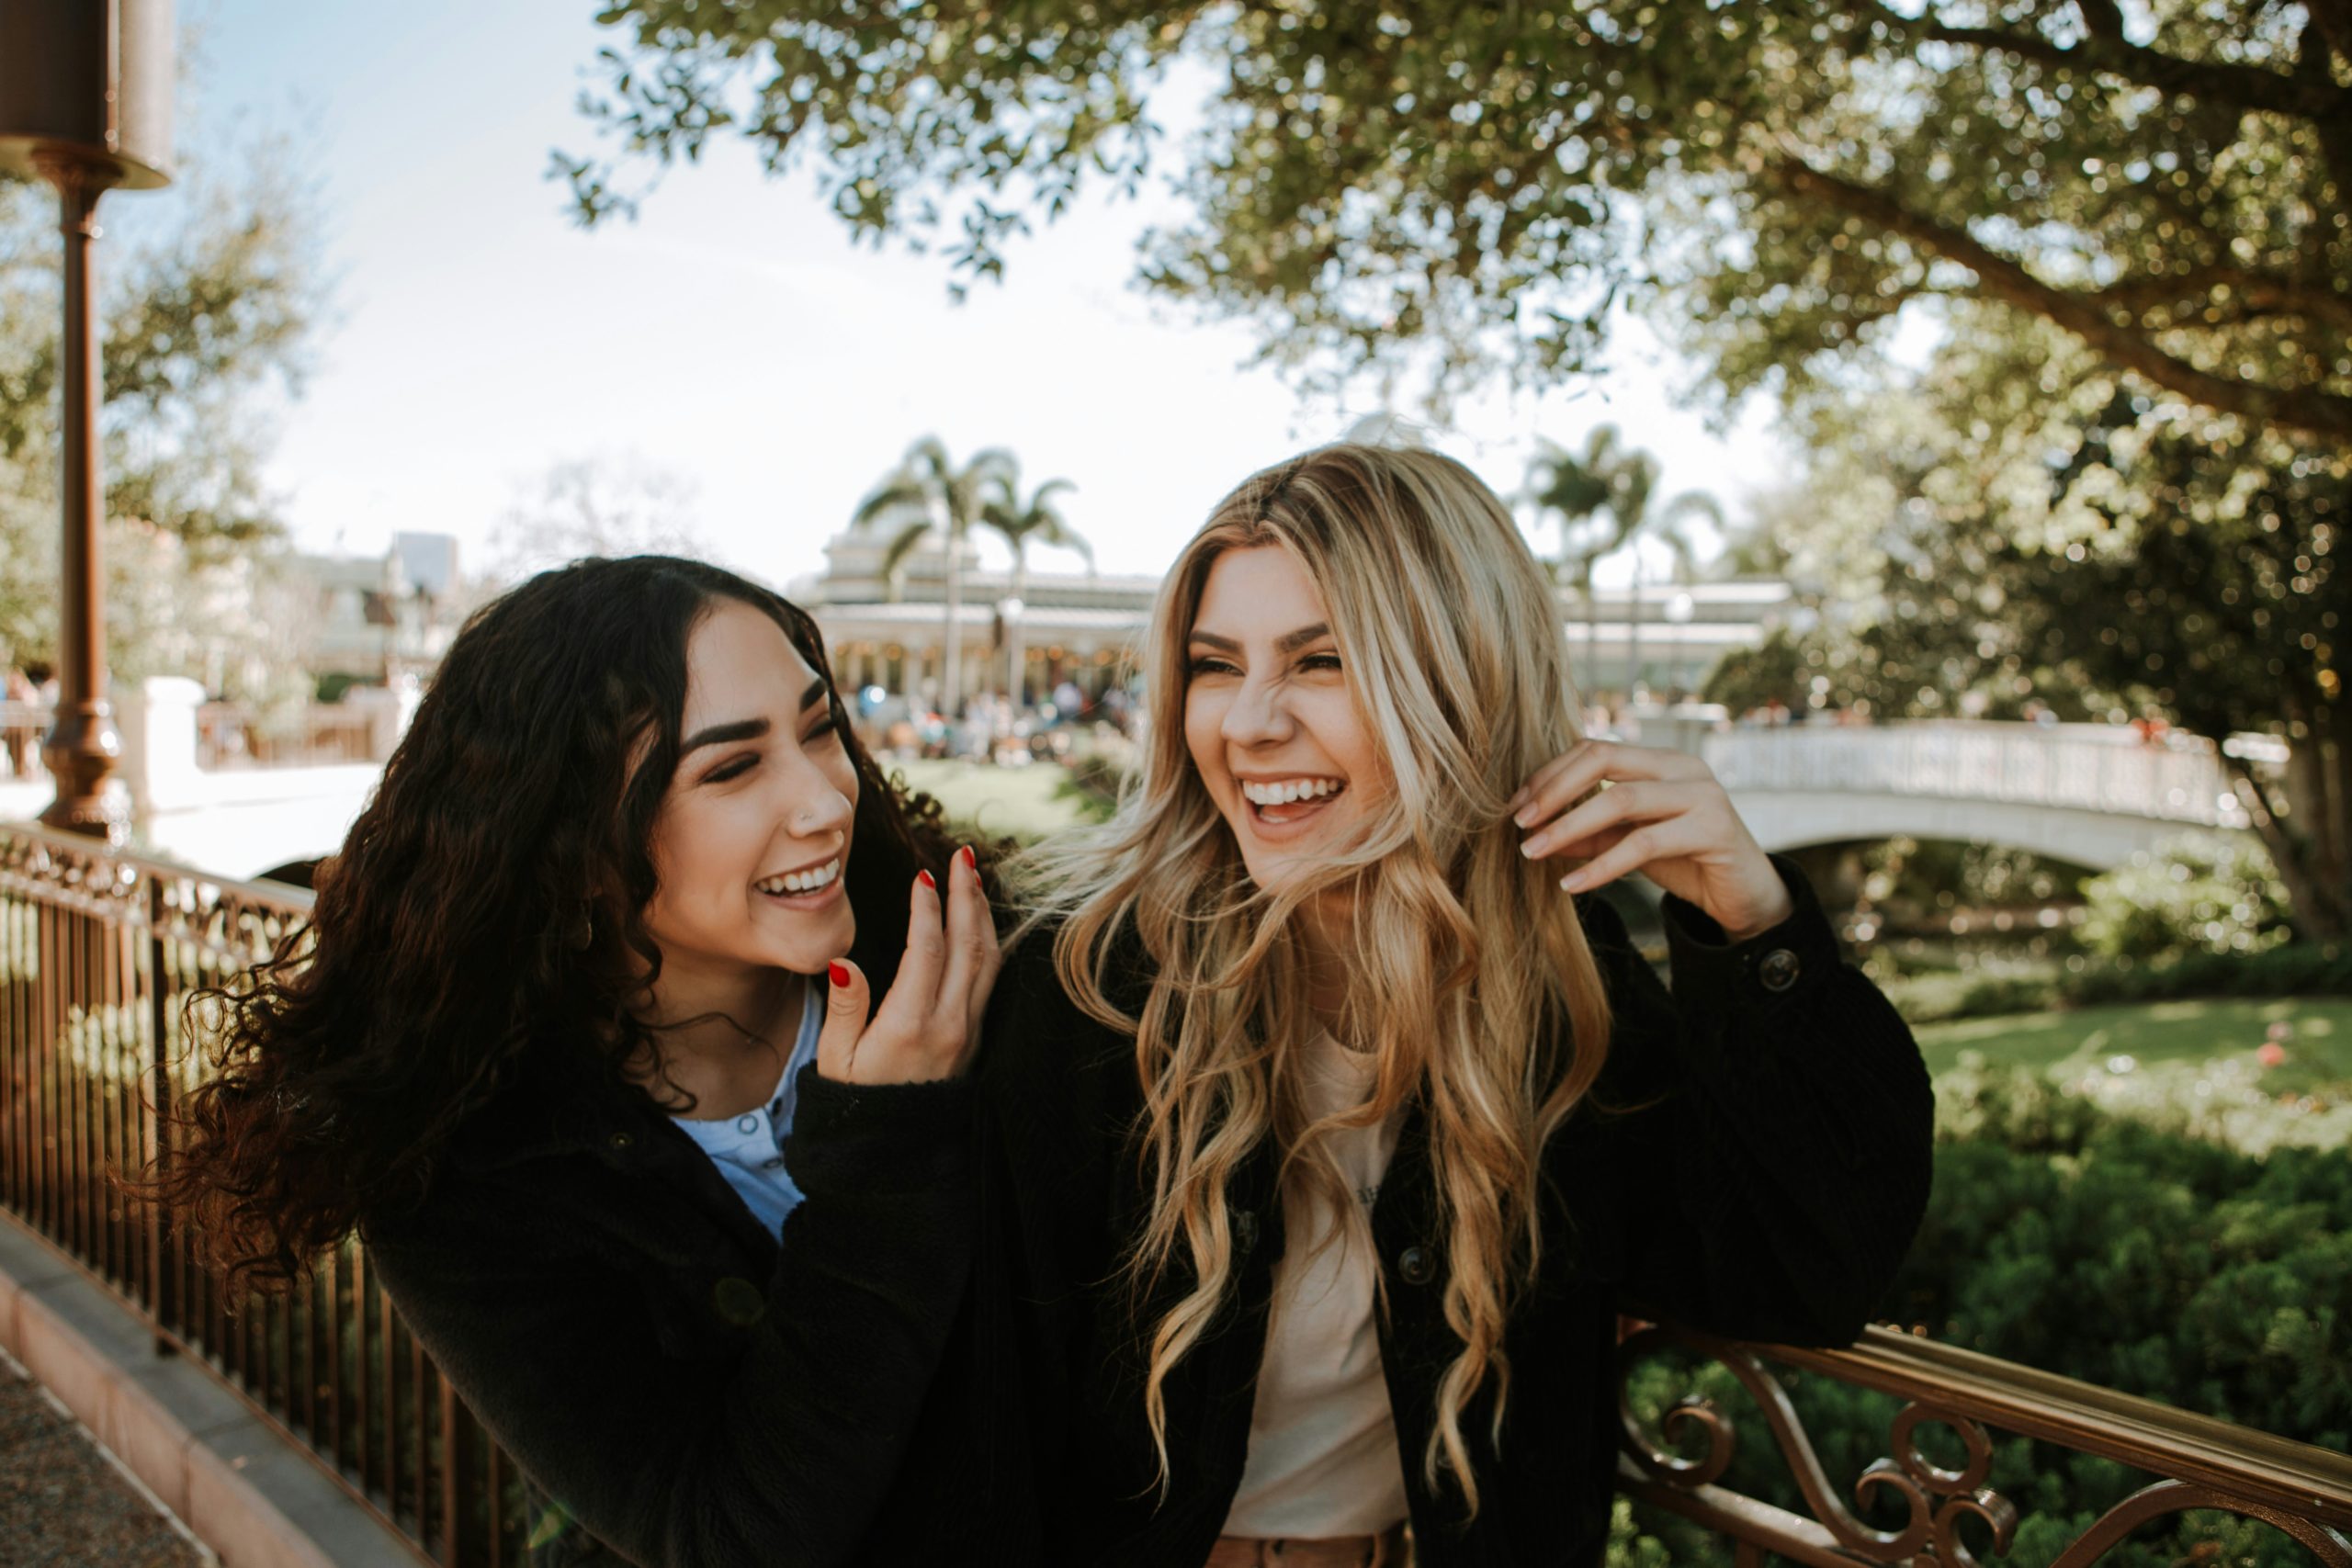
point(2089, 794)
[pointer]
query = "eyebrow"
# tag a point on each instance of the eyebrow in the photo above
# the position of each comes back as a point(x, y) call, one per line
point(1289, 642)
point(721, 734)
point(745, 728)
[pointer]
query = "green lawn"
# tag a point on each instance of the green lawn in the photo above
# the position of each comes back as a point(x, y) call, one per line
point(995, 802)
point(2319, 1042)
point(2182, 1061)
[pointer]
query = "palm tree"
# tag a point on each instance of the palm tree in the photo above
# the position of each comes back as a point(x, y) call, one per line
point(1022, 523)
point(928, 494)
point(1584, 493)
point(1603, 499)
point(1667, 525)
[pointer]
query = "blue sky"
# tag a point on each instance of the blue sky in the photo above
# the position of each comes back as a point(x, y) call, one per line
point(731, 335)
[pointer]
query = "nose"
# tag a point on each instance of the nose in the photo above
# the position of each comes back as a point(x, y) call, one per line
point(813, 807)
point(1258, 714)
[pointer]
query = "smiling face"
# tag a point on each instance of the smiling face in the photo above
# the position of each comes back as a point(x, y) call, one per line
point(751, 842)
point(1269, 718)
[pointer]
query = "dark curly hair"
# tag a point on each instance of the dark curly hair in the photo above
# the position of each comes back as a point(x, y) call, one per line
point(445, 944)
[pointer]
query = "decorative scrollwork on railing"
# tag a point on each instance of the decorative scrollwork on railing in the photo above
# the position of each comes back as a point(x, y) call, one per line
point(1931, 1533)
point(230, 926)
point(2330, 1546)
point(85, 881)
point(1938, 1497)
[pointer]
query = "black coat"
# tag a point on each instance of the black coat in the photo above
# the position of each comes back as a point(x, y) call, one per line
point(1766, 1188)
point(681, 1387)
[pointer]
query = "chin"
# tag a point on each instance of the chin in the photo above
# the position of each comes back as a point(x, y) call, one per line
point(807, 952)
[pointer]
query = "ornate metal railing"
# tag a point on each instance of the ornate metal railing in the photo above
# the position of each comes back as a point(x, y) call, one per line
point(99, 953)
point(2189, 1462)
point(2181, 779)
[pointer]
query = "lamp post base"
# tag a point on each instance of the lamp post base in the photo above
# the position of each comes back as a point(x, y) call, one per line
point(81, 752)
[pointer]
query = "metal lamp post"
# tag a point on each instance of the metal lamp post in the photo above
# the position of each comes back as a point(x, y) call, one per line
point(85, 104)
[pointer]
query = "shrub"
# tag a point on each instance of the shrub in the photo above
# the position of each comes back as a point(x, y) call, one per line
point(2102, 1248)
point(2195, 893)
point(2295, 969)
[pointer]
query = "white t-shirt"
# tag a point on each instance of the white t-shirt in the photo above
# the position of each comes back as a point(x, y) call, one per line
point(749, 1149)
point(1323, 1458)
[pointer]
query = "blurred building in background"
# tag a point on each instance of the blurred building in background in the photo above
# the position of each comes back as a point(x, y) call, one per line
point(1078, 626)
point(382, 617)
point(1085, 627)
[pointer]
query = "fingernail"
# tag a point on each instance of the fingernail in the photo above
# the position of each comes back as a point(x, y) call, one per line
point(1527, 847)
point(1573, 883)
point(838, 974)
point(970, 860)
point(1526, 816)
point(924, 878)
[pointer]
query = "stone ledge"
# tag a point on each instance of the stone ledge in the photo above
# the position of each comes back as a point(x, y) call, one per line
point(242, 1490)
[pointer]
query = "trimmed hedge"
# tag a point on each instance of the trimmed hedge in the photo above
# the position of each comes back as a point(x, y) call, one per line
point(2300, 969)
point(2094, 1245)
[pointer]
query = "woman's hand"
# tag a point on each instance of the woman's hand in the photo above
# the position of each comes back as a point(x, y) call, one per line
point(1662, 814)
point(926, 1027)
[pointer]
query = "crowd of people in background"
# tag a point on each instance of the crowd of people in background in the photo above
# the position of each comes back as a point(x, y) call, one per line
point(992, 727)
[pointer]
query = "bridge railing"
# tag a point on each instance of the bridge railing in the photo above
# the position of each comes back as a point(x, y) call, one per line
point(99, 953)
point(2180, 779)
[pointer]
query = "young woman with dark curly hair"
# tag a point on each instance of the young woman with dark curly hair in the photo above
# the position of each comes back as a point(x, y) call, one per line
point(1336, 1130)
point(577, 1040)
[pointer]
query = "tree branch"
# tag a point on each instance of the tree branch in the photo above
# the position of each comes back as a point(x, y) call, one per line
point(2307, 409)
point(2260, 293)
point(2239, 87)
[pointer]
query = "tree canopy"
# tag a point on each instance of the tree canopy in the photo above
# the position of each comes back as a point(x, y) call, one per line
point(203, 324)
point(2168, 183)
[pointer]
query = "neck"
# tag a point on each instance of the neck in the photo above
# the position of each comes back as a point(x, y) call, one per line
point(717, 1020)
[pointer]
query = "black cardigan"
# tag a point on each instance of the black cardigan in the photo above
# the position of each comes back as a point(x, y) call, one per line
point(681, 1387)
point(1766, 1186)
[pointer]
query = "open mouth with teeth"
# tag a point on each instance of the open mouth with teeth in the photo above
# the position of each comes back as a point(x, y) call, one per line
point(1278, 802)
point(804, 888)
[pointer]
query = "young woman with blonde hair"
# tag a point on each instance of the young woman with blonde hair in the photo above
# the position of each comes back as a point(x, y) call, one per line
point(1330, 1136)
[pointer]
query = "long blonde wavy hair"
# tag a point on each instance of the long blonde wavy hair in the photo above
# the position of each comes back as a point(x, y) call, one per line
point(1468, 976)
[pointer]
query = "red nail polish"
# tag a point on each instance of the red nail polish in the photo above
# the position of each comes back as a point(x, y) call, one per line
point(924, 878)
point(968, 858)
point(838, 974)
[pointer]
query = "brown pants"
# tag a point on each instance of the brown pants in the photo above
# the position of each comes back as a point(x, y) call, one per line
point(1386, 1549)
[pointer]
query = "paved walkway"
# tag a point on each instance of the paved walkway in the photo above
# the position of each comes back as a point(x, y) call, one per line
point(62, 1505)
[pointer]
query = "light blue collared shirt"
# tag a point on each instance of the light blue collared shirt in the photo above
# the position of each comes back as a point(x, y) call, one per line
point(749, 1149)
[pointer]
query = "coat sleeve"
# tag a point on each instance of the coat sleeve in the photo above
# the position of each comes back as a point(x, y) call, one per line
point(781, 1454)
point(1768, 1127)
